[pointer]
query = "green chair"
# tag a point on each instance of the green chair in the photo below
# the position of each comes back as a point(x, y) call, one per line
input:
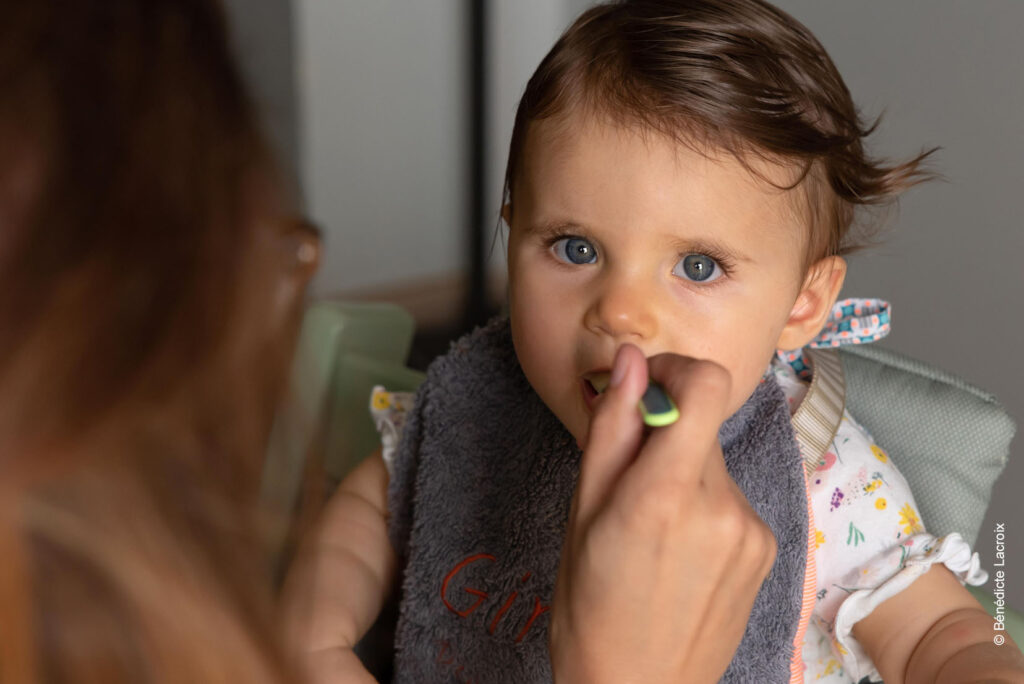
point(343, 350)
point(949, 438)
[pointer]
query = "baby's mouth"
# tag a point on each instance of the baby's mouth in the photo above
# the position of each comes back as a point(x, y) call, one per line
point(594, 384)
point(598, 381)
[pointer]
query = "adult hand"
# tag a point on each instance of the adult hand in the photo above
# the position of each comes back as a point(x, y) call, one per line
point(663, 555)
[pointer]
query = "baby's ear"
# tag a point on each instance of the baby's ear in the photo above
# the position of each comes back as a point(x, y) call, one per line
point(821, 286)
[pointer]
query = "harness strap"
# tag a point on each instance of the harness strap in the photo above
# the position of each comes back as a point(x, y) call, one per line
point(815, 424)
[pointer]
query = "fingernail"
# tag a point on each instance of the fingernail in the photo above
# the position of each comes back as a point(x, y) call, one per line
point(618, 369)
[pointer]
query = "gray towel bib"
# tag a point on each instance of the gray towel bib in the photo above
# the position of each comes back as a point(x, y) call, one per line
point(479, 499)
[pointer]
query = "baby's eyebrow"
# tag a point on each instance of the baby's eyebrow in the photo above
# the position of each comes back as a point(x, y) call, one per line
point(555, 226)
point(709, 246)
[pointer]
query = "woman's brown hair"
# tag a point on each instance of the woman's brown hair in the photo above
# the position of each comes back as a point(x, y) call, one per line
point(737, 75)
point(139, 347)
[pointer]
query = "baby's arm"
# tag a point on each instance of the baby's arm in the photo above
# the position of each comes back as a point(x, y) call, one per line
point(935, 632)
point(339, 582)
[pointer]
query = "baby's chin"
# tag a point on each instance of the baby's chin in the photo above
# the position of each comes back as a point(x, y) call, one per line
point(578, 426)
point(580, 431)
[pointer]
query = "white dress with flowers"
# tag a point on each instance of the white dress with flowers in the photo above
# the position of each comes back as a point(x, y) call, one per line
point(871, 542)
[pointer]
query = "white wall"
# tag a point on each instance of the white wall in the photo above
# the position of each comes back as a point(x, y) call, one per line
point(263, 40)
point(381, 113)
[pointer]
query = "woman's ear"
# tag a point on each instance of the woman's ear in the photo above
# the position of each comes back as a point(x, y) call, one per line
point(813, 305)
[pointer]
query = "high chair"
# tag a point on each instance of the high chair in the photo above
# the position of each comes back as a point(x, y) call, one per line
point(324, 424)
point(950, 439)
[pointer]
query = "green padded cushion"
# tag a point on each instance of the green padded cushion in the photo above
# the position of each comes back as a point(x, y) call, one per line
point(343, 350)
point(949, 438)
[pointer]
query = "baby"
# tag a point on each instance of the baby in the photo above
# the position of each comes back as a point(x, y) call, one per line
point(682, 177)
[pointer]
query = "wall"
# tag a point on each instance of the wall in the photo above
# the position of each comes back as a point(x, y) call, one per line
point(381, 104)
point(264, 41)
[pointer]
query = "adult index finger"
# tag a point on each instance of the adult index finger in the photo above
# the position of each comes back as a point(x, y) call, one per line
point(616, 432)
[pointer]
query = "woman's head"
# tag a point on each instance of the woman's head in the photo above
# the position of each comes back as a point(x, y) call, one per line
point(132, 203)
point(149, 281)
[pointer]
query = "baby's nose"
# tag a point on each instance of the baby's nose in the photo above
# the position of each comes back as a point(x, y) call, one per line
point(623, 308)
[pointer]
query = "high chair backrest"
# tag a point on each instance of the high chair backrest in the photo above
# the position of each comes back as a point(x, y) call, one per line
point(324, 424)
point(949, 439)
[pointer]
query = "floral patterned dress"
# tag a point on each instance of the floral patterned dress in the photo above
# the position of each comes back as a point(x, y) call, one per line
point(871, 542)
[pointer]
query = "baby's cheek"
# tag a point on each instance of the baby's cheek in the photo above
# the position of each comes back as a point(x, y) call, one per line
point(535, 352)
point(746, 378)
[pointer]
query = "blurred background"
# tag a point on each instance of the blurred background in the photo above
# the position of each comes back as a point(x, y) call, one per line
point(395, 117)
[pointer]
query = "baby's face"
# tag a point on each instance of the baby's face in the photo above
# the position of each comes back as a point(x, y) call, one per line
point(618, 236)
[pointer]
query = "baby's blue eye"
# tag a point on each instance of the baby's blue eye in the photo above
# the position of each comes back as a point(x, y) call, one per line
point(575, 251)
point(699, 268)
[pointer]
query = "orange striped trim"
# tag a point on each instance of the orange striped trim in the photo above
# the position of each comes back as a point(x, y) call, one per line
point(815, 423)
point(796, 663)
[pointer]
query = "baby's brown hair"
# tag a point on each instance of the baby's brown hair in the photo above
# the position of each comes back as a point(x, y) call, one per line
point(737, 75)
